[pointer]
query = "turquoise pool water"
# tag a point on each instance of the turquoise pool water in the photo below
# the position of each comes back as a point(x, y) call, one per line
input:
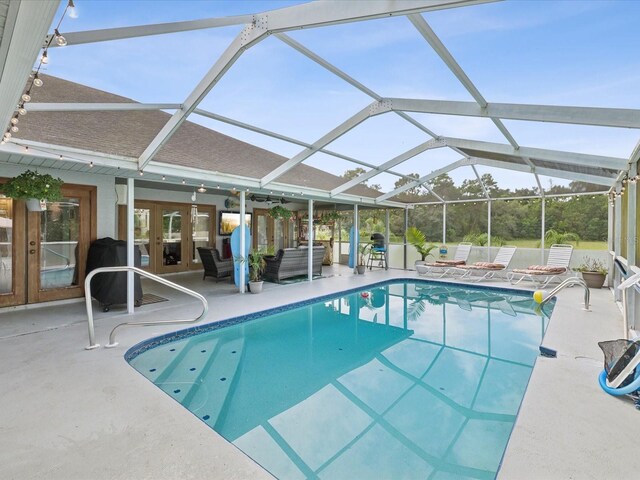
point(403, 380)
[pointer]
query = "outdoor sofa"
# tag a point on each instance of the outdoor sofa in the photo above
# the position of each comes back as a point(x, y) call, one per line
point(292, 262)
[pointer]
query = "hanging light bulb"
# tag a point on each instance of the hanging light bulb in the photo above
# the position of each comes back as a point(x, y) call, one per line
point(90, 164)
point(60, 40)
point(22, 110)
point(140, 172)
point(14, 129)
point(44, 58)
point(37, 81)
point(26, 97)
point(14, 120)
point(73, 11)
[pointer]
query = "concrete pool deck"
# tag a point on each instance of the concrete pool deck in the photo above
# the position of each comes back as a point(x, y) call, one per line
point(67, 413)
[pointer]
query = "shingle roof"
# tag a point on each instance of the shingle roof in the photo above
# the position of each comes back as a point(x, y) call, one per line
point(127, 133)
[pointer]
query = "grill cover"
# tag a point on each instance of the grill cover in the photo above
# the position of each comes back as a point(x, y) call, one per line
point(111, 287)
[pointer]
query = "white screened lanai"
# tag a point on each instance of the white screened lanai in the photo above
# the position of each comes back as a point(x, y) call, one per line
point(405, 91)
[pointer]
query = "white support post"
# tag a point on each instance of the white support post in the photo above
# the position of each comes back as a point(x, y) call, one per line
point(356, 240)
point(310, 252)
point(444, 223)
point(488, 230)
point(130, 246)
point(543, 228)
point(632, 198)
point(386, 237)
point(610, 241)
point(243, 242)
point(617, 241)
point(406, 227)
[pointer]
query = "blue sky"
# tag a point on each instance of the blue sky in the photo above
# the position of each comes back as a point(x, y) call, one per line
point(581, 53)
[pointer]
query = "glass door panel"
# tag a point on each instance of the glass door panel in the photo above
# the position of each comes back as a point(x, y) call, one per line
point(261, 229)
point(141, 231)
point(202, 223)
point(172, 221)
point(278, 233)
point(12, 272)
point(6, 245)
point(59, 236)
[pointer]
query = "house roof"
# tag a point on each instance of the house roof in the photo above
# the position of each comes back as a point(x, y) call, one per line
point(127, 134)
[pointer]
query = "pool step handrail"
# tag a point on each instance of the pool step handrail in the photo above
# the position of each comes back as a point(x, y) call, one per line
point(112, 343)
point(570, 282)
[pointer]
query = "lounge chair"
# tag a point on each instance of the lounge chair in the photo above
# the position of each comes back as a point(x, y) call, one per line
point(213, 265)
point(486, 270)
point(621, 375)
point(556, 269)
point(440, 268)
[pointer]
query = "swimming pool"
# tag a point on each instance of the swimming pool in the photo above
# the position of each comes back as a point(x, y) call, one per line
point(399, 380)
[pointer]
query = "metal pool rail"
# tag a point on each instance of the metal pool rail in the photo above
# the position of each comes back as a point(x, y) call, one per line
point(112, 335)
point(569, 282)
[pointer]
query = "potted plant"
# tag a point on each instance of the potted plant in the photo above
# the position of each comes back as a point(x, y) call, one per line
point(256, 267)
point(593, 272)
point(363, 248)
point(280, 212)
point(36, 188)
point(416, 238)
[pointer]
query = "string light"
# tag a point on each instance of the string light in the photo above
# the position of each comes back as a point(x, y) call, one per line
point(140, 172)
point(184, 181)
point(90, 164)
point(60, 40)
point(163, 177)
point(34, 78)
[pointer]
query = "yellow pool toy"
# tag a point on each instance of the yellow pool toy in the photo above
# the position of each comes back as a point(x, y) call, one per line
point(538, 296)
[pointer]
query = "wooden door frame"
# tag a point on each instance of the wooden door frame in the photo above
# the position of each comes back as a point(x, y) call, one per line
point(122, 228)
point(254, 227)
point(88, 217)
point(155, 242)
point(18, 294)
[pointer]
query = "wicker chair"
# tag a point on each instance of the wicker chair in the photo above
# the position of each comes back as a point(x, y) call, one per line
point(213, 265)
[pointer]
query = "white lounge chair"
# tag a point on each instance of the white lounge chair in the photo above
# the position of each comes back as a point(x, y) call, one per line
point(440, 268)
point(556, 269)
point(487, 270)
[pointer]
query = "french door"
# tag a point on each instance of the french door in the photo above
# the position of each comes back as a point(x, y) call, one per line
point(168, 234)
point(43, 254)
point(270, 232)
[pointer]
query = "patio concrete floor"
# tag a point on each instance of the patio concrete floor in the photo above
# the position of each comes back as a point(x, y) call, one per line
point(67, 413)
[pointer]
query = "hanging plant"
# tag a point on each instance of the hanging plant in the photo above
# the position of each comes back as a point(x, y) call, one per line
point(280, 212)
point(34, 185)
point(328, 217)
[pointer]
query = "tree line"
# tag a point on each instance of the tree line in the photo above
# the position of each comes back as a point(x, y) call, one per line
point(584, 216)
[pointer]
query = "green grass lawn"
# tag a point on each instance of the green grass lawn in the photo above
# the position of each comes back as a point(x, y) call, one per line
point(582, 245)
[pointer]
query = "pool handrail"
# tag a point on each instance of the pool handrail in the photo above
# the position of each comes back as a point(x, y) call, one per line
point(112, 343)
point(569, 282)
